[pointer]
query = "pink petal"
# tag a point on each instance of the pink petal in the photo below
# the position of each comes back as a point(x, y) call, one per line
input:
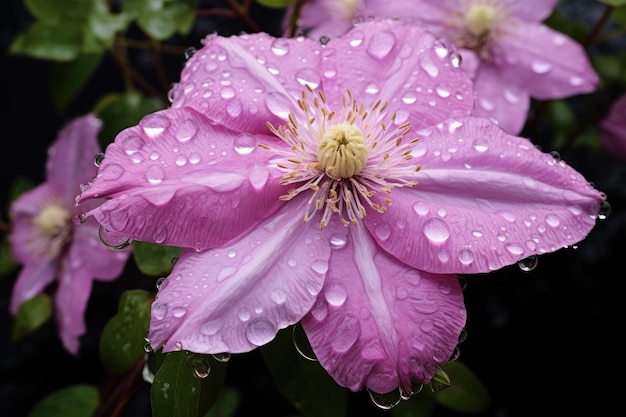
point(544, 62)
point(380, 324)
point(71, 157)
point(242, 82)
point(178, 179)
point(31, 281)
point(531, 10)
point(499, 100)
point(71, 300)
point(484, 200)
point(613, 129)
point(417, 78)
point(236, 298)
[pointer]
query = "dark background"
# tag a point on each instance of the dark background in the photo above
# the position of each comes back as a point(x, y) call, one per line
point(544, 343)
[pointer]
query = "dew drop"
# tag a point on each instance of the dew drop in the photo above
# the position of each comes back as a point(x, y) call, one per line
point(466, 256)
point(221, 357)
point(278, 104)
point(245, 143)
point(436, 230)
point(113, 240)
point(605, 210)
point(456, 59)
point(385, 401)
point(529, 263)
point(260, 332)
point(186, 130)
point(155, 174)
point(301, 343)
point(97, 160)
point(308, 76)
point(159, 310)
point(381, 44)
point(336, 294)
point(201, 367)
point(429, 66)
point(541, 67)
point(337, 241)
point(383, 231)
point(280, 47)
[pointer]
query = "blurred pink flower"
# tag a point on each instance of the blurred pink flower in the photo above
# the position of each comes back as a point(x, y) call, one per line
point(45, 240)
point(613, 129)
point(504, 47)
point(292, 173)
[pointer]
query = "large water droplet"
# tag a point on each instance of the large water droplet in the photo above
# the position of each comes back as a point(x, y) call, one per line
point(278, 104)
point(436, 230)
point(308, 76)
point(385, 401)
point(200, 366)
point(301, 343)
point(245, 143)
point(381, 44)
point(260, 332)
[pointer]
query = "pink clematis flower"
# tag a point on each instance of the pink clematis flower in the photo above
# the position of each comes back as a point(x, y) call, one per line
point(341, 186)
point(613, 129)
point(45, 240)
point(504, 47)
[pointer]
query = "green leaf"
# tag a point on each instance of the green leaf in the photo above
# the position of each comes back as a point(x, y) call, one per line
point(122, 341)
point(68, 78)
point(304, 383)
point(468, 394)
point(227, 403)
point(65, 29)
point(31, 315)
point(119, 111)
point(161, 19)
point(8, 265)
point(72, 401)
point(154, 260)
point(274, 4)
point(615, 3)
point(441, 380)
point(177, 391)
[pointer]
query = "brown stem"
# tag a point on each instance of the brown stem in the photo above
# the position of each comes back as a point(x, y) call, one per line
point(118, 392)
point(241, 11)
point(606, 15)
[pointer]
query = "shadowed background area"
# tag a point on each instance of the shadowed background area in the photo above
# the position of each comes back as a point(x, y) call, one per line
point(543, 342)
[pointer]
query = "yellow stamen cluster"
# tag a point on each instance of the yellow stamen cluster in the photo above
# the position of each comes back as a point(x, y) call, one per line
point(52, 229)
point(344, 158)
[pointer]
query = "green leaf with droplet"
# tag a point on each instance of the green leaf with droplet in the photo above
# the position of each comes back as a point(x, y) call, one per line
point(119, 111)
point(72, 401)
point(68, 78)
point(467, 395)
point(304, 383)
point(178, 392)
point(62, 31)
point(154, 260)
point(161, 19)
point(421, 404)
point(123, 339)
point(31, 315)
point(274, 4)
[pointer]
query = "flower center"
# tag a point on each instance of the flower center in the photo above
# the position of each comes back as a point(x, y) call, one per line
point(480, 19)
point(53, 229)
point(342, 152)
point(344, 157)
point(478, 23)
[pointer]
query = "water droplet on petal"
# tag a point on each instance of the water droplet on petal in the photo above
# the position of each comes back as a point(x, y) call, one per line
point(308, 76)
point(97, 160)
point(280, 47)
point(436, 230)
point(260, 332)
point(278, 104)
point(222, 357)
point(385, 401)
point(381, 44)
point(529, 263)
point(245, 143)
